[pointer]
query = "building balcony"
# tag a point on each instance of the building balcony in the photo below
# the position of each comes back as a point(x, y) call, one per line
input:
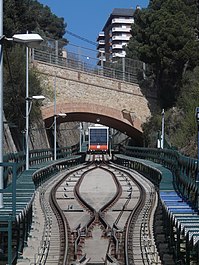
point(121, 38)
point(100, 36)
point(102, 50)
point(118, 46)
point(123, 20)
point(101, 42)
point(119, 54)
point(121, 29)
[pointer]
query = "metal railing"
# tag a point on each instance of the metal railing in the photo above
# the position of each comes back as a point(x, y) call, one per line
point(82, 59)
point(37, 156)
point(185, 169)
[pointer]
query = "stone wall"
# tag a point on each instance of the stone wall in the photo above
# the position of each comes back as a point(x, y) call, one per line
point(80, 88)
point(8, 143)
point(75, 86)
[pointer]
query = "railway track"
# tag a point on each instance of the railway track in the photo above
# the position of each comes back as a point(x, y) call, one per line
point(104, 215)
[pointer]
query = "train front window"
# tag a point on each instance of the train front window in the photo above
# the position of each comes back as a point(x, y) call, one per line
point(98, 136)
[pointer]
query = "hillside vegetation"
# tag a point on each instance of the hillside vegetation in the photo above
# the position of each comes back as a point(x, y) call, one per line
point(21, 16)
point(165, 37)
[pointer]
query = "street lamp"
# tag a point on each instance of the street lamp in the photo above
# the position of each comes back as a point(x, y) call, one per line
point(110, 141)
point(159, 140)
point(197, 120)
point(32, 41)
point(1, 103)
point(80, 136)
point(28, 109)
point(162, 135)
point(197, 177)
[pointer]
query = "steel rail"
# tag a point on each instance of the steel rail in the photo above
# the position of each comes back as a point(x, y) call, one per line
point(144, 205)
point(98, 216)
point(65, 250)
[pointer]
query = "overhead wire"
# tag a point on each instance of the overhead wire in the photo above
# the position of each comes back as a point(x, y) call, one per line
point(81, 38)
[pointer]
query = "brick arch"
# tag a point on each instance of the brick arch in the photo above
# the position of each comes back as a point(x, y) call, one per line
point(123, 121)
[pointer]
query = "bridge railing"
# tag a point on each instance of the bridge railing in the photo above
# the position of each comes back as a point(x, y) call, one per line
point(184, 169)
point(82, 59)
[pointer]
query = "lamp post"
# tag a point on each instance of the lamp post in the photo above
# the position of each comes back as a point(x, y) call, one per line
point(159, 140)
point(197, 177)
point(55, 119)
point(28, 109)
point(55, 137)
point(197, 120)
point(80, 137)
point(1, 103)
point(162, 135)
point(32, 41)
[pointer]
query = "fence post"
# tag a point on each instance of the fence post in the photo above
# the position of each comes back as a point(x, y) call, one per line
point(123, 68)
point(56, 52)
point(102, 63)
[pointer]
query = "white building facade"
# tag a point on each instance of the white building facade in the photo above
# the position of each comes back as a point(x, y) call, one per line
point(115, 34)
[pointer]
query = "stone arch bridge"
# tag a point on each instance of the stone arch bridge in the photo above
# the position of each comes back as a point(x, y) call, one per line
point(91, 98)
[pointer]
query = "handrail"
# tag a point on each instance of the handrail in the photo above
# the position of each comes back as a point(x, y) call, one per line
point(36, 156)
point(185, 169)
point(114, 70)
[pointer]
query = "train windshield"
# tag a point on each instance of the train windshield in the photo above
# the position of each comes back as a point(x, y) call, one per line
point(98, 136)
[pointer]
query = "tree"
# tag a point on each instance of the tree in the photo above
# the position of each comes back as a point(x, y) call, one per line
point(23, 15)
point(164, 37)
point(15, 86)
point(20, 16)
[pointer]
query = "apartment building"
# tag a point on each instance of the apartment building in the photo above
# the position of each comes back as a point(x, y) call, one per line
point(115, 34)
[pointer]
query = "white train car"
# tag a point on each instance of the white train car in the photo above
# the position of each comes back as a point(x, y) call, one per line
point(98, 139)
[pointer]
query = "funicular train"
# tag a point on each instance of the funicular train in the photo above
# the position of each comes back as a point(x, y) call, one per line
point(98, 139)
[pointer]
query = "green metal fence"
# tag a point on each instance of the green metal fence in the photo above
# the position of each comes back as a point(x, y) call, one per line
point(185, 169)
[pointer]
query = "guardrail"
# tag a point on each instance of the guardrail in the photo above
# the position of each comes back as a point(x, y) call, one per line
point(43, 166)
point(36, 157)
point(120, 69)
point(185, 169)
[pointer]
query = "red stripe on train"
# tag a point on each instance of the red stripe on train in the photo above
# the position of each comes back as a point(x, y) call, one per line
point(98, 147)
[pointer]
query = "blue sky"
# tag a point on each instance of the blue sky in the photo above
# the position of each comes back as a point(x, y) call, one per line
point(86, 18)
